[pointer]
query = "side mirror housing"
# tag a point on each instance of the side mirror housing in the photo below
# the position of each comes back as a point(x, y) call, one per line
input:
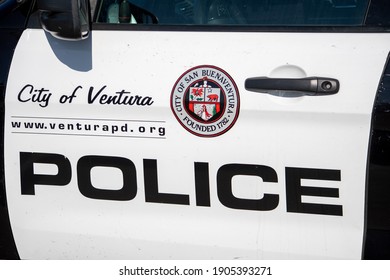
point(66, 19)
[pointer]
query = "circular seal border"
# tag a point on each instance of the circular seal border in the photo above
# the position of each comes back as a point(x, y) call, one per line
point(231, 108)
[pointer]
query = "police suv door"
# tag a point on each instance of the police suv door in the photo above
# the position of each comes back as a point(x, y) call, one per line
point(192, 129)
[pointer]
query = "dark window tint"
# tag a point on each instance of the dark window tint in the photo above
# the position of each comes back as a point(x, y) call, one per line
point(234, 12)
point(12, 15)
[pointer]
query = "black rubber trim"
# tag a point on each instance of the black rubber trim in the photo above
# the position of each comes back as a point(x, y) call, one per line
point(11, 28)
point(378, 13)
point(226, 28)
point(377, 234)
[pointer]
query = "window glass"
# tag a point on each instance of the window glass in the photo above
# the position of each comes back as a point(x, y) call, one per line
point(233, 12)
point(12, 16)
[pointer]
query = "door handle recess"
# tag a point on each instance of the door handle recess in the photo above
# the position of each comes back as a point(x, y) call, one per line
point(307, 86)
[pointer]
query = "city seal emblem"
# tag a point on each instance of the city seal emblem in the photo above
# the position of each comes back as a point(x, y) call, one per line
point(205, 101)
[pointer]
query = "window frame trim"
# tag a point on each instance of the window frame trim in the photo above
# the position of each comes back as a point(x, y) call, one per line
point(236, 29)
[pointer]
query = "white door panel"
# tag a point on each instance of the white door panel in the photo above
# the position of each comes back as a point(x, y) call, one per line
point(272, 134)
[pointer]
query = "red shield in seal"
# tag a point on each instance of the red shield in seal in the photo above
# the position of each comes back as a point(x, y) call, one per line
point(204, 100)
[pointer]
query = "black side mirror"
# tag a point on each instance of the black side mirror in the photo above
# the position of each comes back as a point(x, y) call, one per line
point(66, 19)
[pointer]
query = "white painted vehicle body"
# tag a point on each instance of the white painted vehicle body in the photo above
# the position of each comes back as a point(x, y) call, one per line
point(161, 189)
